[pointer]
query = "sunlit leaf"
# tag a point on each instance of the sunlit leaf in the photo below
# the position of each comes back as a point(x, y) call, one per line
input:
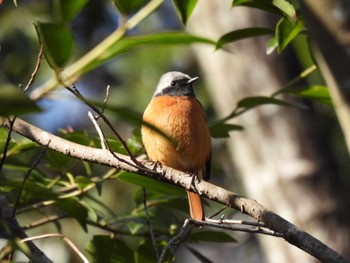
point(58, 43)
point(241, 34)
point(128, 43)
point(107, 249)
point(149, 183)
point(212, 236)
point(271, 45)
point(252, 102)
point(314, 92)
point(281, 7)
point(262, 5)
point(222, 130)
point(286, 7)
point(15, 102)
point(184, 9)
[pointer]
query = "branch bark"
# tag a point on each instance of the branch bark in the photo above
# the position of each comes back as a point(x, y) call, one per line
point(288, 231)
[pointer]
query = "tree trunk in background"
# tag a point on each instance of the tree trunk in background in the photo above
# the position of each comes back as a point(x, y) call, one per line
point(277, 156)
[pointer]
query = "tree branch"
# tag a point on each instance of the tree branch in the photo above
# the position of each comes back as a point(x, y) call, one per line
point(272, 221)
point(36, 255)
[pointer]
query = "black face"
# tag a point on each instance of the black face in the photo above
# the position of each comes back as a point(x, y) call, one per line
point(178, 87)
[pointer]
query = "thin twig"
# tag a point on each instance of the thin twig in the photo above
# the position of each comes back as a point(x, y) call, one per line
point(106, 98)
point(44, 221)
point(182, 235)
point(76, 92)
point(218, 212)
point(65, 239)
point(238, 225)
point(154, 242)
point(98, 129)
point(37, 66)
point(7, 143)
point(27, 176)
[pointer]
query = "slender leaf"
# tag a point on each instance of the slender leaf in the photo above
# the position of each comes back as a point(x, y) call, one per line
point(212, 236)
point(252, 102)
point(184, 9)
point(128, 43)
point(282, 7)
point(241, 34)
point(262, 5)
point(15, 102)
point(222, 130)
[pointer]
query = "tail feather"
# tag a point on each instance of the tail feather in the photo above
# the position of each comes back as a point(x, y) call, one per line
point(196, 207)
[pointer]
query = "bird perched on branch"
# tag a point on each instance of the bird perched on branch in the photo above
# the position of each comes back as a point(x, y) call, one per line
point(185, 144)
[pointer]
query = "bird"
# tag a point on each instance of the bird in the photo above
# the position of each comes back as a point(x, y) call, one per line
point(180, 136)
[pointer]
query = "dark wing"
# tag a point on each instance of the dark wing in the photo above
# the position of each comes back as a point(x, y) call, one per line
point(207, 168)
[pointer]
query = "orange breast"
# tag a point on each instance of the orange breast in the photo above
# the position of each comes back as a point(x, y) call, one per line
point(182, 119)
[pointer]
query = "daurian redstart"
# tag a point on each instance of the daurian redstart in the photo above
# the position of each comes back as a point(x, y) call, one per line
point(176, 112)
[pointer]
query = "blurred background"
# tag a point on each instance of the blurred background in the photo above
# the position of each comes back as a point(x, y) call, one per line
point(292, 161)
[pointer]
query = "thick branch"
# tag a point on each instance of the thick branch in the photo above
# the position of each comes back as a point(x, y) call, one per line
point(288, 231)
point(6, 216)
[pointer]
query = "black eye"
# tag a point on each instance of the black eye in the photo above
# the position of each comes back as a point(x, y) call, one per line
point(173, 83)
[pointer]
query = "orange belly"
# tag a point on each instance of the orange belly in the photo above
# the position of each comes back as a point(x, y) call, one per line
point(182, 119)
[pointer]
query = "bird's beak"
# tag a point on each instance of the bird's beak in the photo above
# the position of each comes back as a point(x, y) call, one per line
point(190, 81)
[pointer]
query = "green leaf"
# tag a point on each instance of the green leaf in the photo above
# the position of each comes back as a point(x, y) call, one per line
point(149, 184)
point(58, 43)
point(107, 249)
point(222, 130)
point(241, 34)
point(252, 102)
point(286, 31)
point(15, 102)
point(212, 236)
point(314, 92)
point(128, 6)
point(66, 10)
point(184, 9)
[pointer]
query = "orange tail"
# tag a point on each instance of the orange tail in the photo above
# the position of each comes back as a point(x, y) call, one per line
point(196, 208)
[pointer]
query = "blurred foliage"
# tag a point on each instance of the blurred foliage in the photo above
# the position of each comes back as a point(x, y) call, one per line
point(131, 64)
